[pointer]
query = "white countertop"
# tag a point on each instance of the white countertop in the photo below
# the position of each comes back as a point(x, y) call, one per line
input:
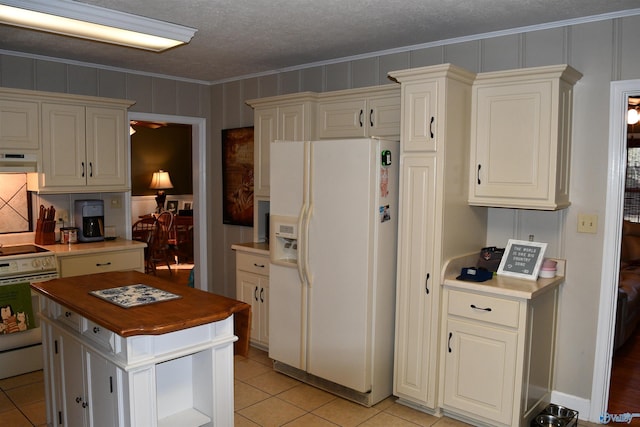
point(499, 284)
point(63, 249)
point(260, 248)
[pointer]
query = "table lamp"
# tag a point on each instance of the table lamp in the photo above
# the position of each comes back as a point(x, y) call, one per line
point(160, 181)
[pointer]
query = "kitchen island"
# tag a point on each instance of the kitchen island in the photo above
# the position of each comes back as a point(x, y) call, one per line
point(114, 356)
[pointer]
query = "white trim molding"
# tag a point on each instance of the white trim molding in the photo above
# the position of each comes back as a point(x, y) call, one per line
point(620, 91)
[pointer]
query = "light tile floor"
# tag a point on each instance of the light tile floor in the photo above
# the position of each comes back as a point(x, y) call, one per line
point(262, 398)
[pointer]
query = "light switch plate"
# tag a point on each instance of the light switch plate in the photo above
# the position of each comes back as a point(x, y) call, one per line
point(587, 223)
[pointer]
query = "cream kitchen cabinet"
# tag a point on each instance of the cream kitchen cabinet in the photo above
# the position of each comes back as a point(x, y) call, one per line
point(435, 221)
point(252, 287)
point(19, 124)
point(99, 257)
point(286, 117)
point(83, 148)
point(359, 113)
point(498, 348)
point(521, 138)
point(88, 394)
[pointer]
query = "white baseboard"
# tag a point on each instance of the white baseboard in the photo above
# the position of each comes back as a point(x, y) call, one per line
point(580, 404)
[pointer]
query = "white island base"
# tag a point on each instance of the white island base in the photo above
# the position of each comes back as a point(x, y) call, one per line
point(97, 377)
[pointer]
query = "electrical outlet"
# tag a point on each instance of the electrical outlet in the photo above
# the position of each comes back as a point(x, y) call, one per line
point(587, 223)
point(62, 216)
point(116, 202)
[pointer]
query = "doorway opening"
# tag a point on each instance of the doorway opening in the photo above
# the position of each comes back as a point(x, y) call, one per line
point(198, 179)
point(621, 91)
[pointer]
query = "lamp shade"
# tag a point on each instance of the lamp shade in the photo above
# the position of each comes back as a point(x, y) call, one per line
point(160, 180)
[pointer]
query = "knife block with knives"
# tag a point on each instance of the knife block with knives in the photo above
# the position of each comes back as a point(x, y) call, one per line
point(46, 226)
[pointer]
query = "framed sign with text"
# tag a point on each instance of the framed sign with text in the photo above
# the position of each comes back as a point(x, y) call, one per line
point(522, 259)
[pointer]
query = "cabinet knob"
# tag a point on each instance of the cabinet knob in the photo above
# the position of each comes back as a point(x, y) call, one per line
point(371, 118)
point(96, 329)
point(478, 176)
point(258, 265)
point(67, 314)
point(361, 113)
point(261, 294)
point(449, 342)
point(78, 399)
point(83, 169)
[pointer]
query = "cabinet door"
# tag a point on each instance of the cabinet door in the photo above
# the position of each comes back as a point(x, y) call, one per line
point(416, 306)
point(480, 368)
point(383, 117)
point(106, 147)
point(74, 397)
point(511, 156)
point(102, 390)
point(264, 310)
point(248, 290)
point(342, 119)
point(19, 125)
point(265, 131)
point(291, 123)
point(63, 145)
point(419, 132)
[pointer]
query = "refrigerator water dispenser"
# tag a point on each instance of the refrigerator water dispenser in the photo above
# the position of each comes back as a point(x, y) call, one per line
point(283, 242)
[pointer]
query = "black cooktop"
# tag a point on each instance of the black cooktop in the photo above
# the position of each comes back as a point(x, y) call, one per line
point(21, 250)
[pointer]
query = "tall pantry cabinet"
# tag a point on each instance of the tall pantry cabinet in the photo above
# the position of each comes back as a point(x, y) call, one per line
point(435, 220)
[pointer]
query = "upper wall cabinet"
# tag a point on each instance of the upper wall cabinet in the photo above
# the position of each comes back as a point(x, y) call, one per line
point(360, 113)
point(521, 138)
point(80, 141)
point(19, 124)
point(286, 117)
point(84, 146)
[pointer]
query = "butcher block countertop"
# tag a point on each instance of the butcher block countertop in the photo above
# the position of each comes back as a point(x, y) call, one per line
point(194, 307)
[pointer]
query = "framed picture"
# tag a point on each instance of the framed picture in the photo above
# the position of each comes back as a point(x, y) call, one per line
point(187, 205)
point(522, 259)
point(172, 206)
point(237, 176)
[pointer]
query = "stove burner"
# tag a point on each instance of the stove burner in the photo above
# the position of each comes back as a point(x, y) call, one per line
point(20, 250)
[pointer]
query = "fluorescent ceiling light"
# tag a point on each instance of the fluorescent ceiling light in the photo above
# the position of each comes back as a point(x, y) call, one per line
point(85, 21)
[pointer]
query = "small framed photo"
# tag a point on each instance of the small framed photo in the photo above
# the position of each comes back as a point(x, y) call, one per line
point(522, 259)
point(172, 206)
point(187, 205)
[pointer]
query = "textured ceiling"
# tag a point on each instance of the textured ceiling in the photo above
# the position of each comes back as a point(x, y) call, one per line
point(246, 37)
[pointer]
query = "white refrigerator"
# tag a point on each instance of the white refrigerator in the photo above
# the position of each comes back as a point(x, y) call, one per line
point(333, 232)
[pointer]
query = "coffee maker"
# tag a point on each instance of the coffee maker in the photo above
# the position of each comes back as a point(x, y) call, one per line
point(89, 218)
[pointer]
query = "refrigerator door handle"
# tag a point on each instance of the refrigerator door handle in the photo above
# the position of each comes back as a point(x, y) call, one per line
point(305, 258)
point(301, 243)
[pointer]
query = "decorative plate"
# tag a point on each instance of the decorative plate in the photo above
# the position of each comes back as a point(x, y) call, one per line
point(134, 295)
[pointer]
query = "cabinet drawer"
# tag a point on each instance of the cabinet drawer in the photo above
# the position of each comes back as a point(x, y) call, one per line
point(253, 263)
point(100, 263)
point(99, 335)
point(69, 318)
point(484, 308)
